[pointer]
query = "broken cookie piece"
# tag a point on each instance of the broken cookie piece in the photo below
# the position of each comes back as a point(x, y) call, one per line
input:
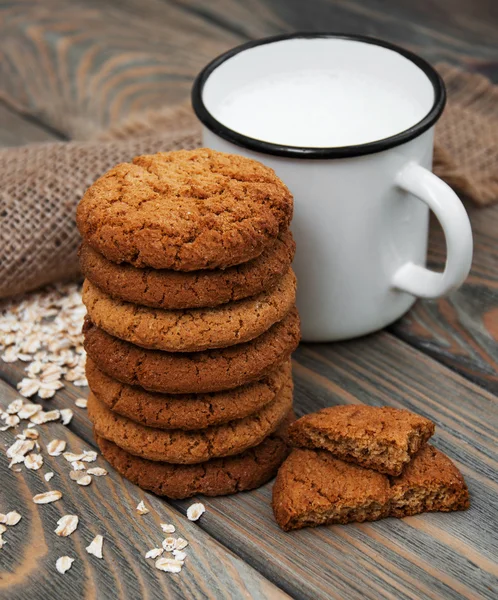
point(430, 482)
point(314, 488)
point(379, 438)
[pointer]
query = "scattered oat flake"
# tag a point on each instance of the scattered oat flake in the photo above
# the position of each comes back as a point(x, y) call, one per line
point(48, 476)
point(14, 407)
point(28, 387)
point(20, 447)
point(47, 497)
point(11, 518)
point(29, 410)
point(81, 402)
point(45, 417)
point(170, 565)
point(71, 456)
point(181, 544)
point(56, 447)
point(142, 509)
point(168, 528)
point(78, 465)
point(89, 456)
point(31, 434)
point(66, 525)
point(84, 480)
point(11, 421)
point(95, 547)
point(169, 544)
point(195, 511)
point(179, 554)
point(75, 475)
point(154, 552)
point(63, 564)
point(97, 471)
point(3, 529)
point(16, 460)
point(33, 462)
point(66, 416)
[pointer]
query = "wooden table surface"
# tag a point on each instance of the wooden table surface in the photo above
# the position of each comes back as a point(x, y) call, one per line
point(440, 360)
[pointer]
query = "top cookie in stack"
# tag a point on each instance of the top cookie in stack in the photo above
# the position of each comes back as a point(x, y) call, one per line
point(189, 293)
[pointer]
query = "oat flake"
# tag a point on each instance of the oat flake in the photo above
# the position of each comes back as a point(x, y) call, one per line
point(12, 518)
point(33, 462)
point(95, 547)
point(63, 564)
point(195, 511)
point(168, 528)
point(56, 447)
point(154, 552)
point(47, 497)
point(181, 544)
point(169, 544)
point(84, 480)
point(66, 525)
point(179, 554)
point(170, 565)
point(142, 509)
point(97, 471)
point(81, 402)
point(48, 476)
point(66, 416)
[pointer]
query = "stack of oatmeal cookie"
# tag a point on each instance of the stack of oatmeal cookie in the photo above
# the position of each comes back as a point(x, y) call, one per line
point(191, 320)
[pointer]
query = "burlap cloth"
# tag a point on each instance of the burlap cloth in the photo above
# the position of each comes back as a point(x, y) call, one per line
point(41, 184)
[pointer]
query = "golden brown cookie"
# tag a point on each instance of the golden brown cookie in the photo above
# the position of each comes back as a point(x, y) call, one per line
point(216, 477)
point(380, 438)
point(164, 288)
point(430, 482)
point(191, 411)
point(191, 330)
point(189, 447)
point(187, 373)
point(314, 488)
point(185, 210)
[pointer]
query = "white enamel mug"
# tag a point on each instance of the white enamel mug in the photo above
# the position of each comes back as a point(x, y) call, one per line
point(361, 209)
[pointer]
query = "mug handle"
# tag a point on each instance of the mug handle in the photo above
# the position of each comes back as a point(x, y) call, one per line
point(451, 214)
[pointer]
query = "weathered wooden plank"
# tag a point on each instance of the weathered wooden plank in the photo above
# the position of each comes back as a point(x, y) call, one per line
point(16, 130)
point(82, 66)
point(106, 507)
point(430, 556)
point(461, 330)
point(451, 31)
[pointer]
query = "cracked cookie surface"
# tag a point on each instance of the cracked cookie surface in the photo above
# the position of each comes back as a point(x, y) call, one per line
point(216, 477)
point(314, 488)
point(191, 330)
point(185, 373)
point(430, 482)
point(190, 447)
point(185, 210)
point(163, 288)
point(191, 411)
point(376, 437)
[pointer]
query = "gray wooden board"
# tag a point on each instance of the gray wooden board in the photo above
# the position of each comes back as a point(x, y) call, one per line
point(106, 507)
point(428, 556)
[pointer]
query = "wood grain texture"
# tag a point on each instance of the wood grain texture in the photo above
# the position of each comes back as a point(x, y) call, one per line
point(429, 556)
point(16, 130)
point(451, 30)
point(461, 330)
point(82, 66)
point(106, 507)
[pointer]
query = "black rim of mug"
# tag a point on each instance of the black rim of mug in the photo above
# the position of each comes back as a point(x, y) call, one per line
point(263, 147)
